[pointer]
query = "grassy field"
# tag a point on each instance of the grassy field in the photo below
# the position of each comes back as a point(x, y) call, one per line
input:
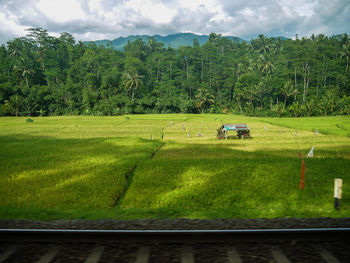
point(120, 167)
point(325, 125)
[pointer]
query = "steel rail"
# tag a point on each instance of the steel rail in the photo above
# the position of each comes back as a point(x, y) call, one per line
point(183, 236)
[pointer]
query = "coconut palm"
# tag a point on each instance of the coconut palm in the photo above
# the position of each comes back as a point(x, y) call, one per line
point(263, 45)
point(153, 45)
point(14, 104)
point(23, 68)
point(15, 47)
point(266, 65)
point(310, 106)
point(288, 90)
point(277, 47)
point(279, 109)
point(204, 99)
point(296, 109)
point(250, 93)
point(331, 97)
point(346, 54)
point(132, 82)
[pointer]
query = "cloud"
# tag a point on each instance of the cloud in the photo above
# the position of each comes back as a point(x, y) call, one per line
point(330, 18)
point(60, 11)
point(108, 19)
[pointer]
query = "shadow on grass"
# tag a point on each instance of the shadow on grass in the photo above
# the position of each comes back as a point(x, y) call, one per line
point(81, 178)
point(204, 178)
point(67, 173)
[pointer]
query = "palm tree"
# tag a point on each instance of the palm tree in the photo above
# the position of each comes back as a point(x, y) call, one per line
point(288, 90)
point(153, 45)
point(310, 107)
point(204, 99)
point(266, 65)
point(279, 109)
point(296, 109)
point(331, 97)
point(264, 47)
point(250, 93)
point(14, 104)
point(132, 82)
point(277, 47)
point(346, 54)
point(14, 48)
point(24, 69)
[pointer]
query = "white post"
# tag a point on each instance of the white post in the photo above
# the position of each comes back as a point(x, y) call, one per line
point(338, 184)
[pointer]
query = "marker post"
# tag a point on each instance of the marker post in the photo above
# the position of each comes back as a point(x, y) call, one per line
point(338, 184)
point(302, 173)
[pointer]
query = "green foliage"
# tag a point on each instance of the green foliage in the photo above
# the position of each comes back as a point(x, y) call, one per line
point(132, 82)
point(58, 76)
point(204, 99)
point(14, 105)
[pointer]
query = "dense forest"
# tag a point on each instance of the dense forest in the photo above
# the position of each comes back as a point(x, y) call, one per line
point(43, 75)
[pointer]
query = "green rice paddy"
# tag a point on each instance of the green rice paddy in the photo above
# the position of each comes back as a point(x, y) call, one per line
point(121, 167)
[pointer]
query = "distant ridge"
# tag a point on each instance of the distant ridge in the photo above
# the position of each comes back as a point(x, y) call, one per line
point(174, 40)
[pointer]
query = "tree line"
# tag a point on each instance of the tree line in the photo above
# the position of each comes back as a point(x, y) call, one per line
point(43, 75)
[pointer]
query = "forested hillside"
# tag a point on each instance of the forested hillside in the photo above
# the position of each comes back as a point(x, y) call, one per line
point(174, 41)
point(45, 75)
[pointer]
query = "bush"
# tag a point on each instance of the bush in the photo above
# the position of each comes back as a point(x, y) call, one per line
point(139, 109)
point(2, 110)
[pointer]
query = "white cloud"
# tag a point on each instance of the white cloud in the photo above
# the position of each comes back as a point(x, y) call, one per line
point(95, 4)
point(298, 7)
point(62, 10)
point(108, 19)
point(247, 12)
point(9, 27)
point(154, 11)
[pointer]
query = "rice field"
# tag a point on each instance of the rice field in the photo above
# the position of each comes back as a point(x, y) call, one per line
point(171, 166)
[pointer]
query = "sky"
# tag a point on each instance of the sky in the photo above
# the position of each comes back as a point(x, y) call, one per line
point(110, 19)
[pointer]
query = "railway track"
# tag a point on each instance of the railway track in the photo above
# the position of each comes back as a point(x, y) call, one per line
point(184, 246)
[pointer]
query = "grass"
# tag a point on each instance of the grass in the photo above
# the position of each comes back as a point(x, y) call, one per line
point(67, 173)
point(101, 167)
point(339, 125)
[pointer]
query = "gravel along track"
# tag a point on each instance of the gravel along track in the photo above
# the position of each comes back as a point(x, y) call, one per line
point(183, 224)
point(235, 251)
point(228, 252)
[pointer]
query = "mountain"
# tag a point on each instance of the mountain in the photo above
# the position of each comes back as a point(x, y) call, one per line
point(174, 40)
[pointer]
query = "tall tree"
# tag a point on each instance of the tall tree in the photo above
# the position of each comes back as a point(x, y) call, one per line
point(132, 82)
point(288, 90)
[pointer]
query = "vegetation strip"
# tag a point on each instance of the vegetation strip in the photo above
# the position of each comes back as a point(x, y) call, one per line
point(43, 75)
point(128, 176)
point(157, 150)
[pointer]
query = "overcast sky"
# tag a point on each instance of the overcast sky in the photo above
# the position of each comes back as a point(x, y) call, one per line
point(109, 19)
